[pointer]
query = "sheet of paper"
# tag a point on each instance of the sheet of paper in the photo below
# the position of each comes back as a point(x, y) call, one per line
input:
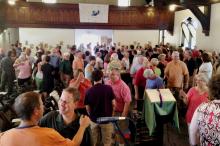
point(153, 95)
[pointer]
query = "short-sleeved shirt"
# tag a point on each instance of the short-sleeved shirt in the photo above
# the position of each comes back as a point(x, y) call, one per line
point(65, 67)
point(156, 83)
point(206, 68)
point(194, 100)
point(175, 72)
point(34, 136)
point(139, 79)
point(122, 94)
point(99, 98)
point(83, 87)
point(24, 70)
point(54, 120)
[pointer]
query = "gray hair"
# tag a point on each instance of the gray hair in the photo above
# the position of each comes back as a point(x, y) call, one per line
point(148, 73)
point(202, 77)
point(154, 61)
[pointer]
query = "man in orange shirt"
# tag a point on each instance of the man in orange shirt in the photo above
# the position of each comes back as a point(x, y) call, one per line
point(29, 107)
point(176, 73)
point(177, 76)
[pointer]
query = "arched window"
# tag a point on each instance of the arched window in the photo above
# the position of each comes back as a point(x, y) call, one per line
point(188, 33)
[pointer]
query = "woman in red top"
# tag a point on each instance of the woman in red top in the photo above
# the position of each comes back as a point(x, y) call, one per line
point(195, 96)
point(82, 84)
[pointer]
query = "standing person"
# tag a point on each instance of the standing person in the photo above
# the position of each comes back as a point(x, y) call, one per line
point(29, 107)
point(48, 77)
point(162, 64)
point(122, 98)
point(191, 65)
point(78, 62)
point(55, 62)
point(177, 76)
point(99, 101)
point(205, 121)
point(140, 81)
point(66, 121)
point(24, 67)
point(8, 72)
point(206, 66)
point(176, 73)
point(125, 62)
point(82, 84)
point(99, 62)
point(65, 69)
point(195, 96)
point(90, 68)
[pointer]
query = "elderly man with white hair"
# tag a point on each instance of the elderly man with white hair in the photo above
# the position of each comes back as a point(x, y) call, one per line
point(177, 76)
point(176, 73)
point(65, 69)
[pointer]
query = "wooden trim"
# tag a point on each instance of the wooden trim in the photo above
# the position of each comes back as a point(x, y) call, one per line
point(67, 16)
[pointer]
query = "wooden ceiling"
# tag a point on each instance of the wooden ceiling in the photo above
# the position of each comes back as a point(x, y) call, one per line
point(138, 8)
point(157, 3)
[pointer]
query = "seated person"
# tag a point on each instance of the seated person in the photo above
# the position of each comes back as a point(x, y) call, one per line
point(66, 121)
point(29, 107)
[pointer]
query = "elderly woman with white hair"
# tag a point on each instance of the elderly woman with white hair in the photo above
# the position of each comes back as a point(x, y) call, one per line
point(154, 62)
point(195, 96)
point(140, 81)
point(22, 64)
point(153, 81)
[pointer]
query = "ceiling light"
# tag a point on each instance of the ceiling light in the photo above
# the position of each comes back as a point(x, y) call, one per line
point(172, 7)
point(49, 1)
point(11, 2)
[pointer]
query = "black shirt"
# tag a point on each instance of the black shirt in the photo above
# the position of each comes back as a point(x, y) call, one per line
point(191, 65)
point(99, 98)
point(54, 120)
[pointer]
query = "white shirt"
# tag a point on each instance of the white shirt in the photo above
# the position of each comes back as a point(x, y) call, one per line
point(206, 68)
point(99, 62)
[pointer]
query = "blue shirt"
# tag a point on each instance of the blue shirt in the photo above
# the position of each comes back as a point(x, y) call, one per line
point(156, 83)
point(54, 61)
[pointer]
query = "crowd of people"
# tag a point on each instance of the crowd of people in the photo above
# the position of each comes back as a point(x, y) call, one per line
point(104, 85)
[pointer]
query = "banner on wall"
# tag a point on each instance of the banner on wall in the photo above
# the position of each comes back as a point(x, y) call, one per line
point(93, 13)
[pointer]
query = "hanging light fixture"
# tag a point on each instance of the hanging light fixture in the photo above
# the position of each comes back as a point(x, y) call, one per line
point(11, 2)
point(49, 1)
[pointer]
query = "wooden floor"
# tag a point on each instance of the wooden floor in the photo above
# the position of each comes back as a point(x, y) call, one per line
point(173, 138)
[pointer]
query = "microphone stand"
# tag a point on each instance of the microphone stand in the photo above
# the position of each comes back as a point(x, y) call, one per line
point(121, 134)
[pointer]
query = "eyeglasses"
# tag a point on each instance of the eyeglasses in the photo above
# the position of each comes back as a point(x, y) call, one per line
point(65, 102)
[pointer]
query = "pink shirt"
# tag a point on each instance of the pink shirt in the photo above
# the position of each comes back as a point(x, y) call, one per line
point(122, 94)
point(194, 100)
point(24, 70)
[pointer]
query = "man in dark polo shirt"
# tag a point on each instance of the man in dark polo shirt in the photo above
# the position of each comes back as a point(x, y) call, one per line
point(66, 121)
point(99, 101)
point(191, 65)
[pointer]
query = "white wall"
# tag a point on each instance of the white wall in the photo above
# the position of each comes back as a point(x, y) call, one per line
point(48, 36)
point(127, 37)
point(91, 36)
point(210, 42)
point(8, 37)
